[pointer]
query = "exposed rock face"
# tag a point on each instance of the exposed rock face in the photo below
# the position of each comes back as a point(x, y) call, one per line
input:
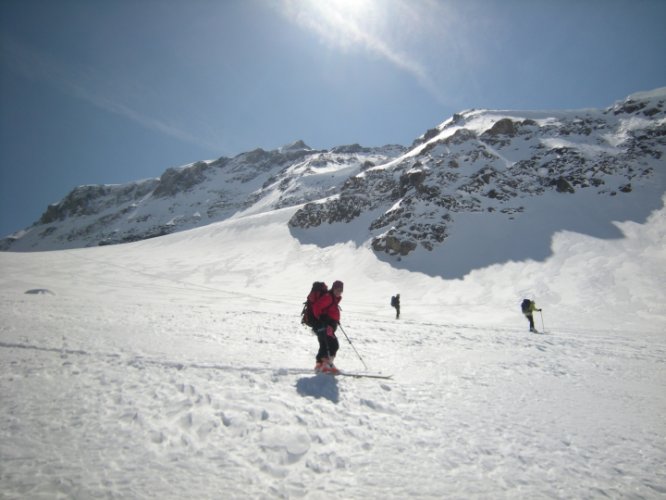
point(176, 180)
point(89, 200)
point(505, 126)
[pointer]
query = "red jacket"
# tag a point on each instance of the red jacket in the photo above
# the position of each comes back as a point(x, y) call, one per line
point(327, 305)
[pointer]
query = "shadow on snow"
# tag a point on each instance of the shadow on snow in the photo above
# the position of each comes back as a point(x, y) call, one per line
point(319, 386)
point(481, 239)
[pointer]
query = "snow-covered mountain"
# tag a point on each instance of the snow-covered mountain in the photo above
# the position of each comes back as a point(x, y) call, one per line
point(177, 367)
point(490, 161)
point(196, 195)
point(503, 173)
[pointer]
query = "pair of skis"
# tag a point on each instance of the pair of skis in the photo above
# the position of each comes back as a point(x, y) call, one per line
point(357, 375)
point(366, 375)
point(339, 374)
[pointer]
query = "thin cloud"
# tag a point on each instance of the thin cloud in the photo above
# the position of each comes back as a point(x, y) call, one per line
point(87, 86)
point(353, 24)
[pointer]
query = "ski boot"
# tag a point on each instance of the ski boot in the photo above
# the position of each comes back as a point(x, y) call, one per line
point(329, 367)
point(326, 366)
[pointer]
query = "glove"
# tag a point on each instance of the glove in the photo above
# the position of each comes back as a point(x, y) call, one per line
point(330, 332)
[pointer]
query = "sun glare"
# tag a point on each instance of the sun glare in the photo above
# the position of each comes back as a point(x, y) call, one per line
point(351, 8)
point(335, 12)
point(345, 23)
point(386, 29)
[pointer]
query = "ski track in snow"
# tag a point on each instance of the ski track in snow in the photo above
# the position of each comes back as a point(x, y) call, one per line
point(141, 399)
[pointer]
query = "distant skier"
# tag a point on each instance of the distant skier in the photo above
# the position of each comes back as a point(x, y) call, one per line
point(395, 302)
point(528, 307)
point(327, 317)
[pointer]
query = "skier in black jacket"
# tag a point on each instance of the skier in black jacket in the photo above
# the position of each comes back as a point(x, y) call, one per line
point(395, 302)
point(528, 307)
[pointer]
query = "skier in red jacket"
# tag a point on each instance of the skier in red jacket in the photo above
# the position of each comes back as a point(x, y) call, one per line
point(327, 313)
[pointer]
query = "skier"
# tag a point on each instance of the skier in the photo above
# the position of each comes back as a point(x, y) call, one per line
point(528, 307)
point(395, 302)
point(327, 315)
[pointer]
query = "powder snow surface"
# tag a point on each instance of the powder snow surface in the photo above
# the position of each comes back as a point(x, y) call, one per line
point(177, 368)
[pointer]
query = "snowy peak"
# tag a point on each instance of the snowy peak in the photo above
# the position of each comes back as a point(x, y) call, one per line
point(647, 103)
point(295, 146)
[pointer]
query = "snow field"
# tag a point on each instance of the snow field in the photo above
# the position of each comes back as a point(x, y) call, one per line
point(177, 368)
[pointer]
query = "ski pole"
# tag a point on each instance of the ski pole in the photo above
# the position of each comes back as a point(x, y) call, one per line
point(350, 343)
point(543, 327)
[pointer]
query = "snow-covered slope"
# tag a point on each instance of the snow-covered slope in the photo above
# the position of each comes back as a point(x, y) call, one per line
point(176, 367)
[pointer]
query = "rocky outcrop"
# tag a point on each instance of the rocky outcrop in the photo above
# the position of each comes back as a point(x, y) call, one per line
point(90, 200)
point(179, 180)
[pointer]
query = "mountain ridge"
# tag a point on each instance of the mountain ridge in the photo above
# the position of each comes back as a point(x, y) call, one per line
point(406, 203)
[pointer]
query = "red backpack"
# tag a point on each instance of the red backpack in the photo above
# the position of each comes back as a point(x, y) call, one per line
point(318, 289)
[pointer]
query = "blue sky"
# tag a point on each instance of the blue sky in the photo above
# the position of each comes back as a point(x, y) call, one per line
point(107, 92)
